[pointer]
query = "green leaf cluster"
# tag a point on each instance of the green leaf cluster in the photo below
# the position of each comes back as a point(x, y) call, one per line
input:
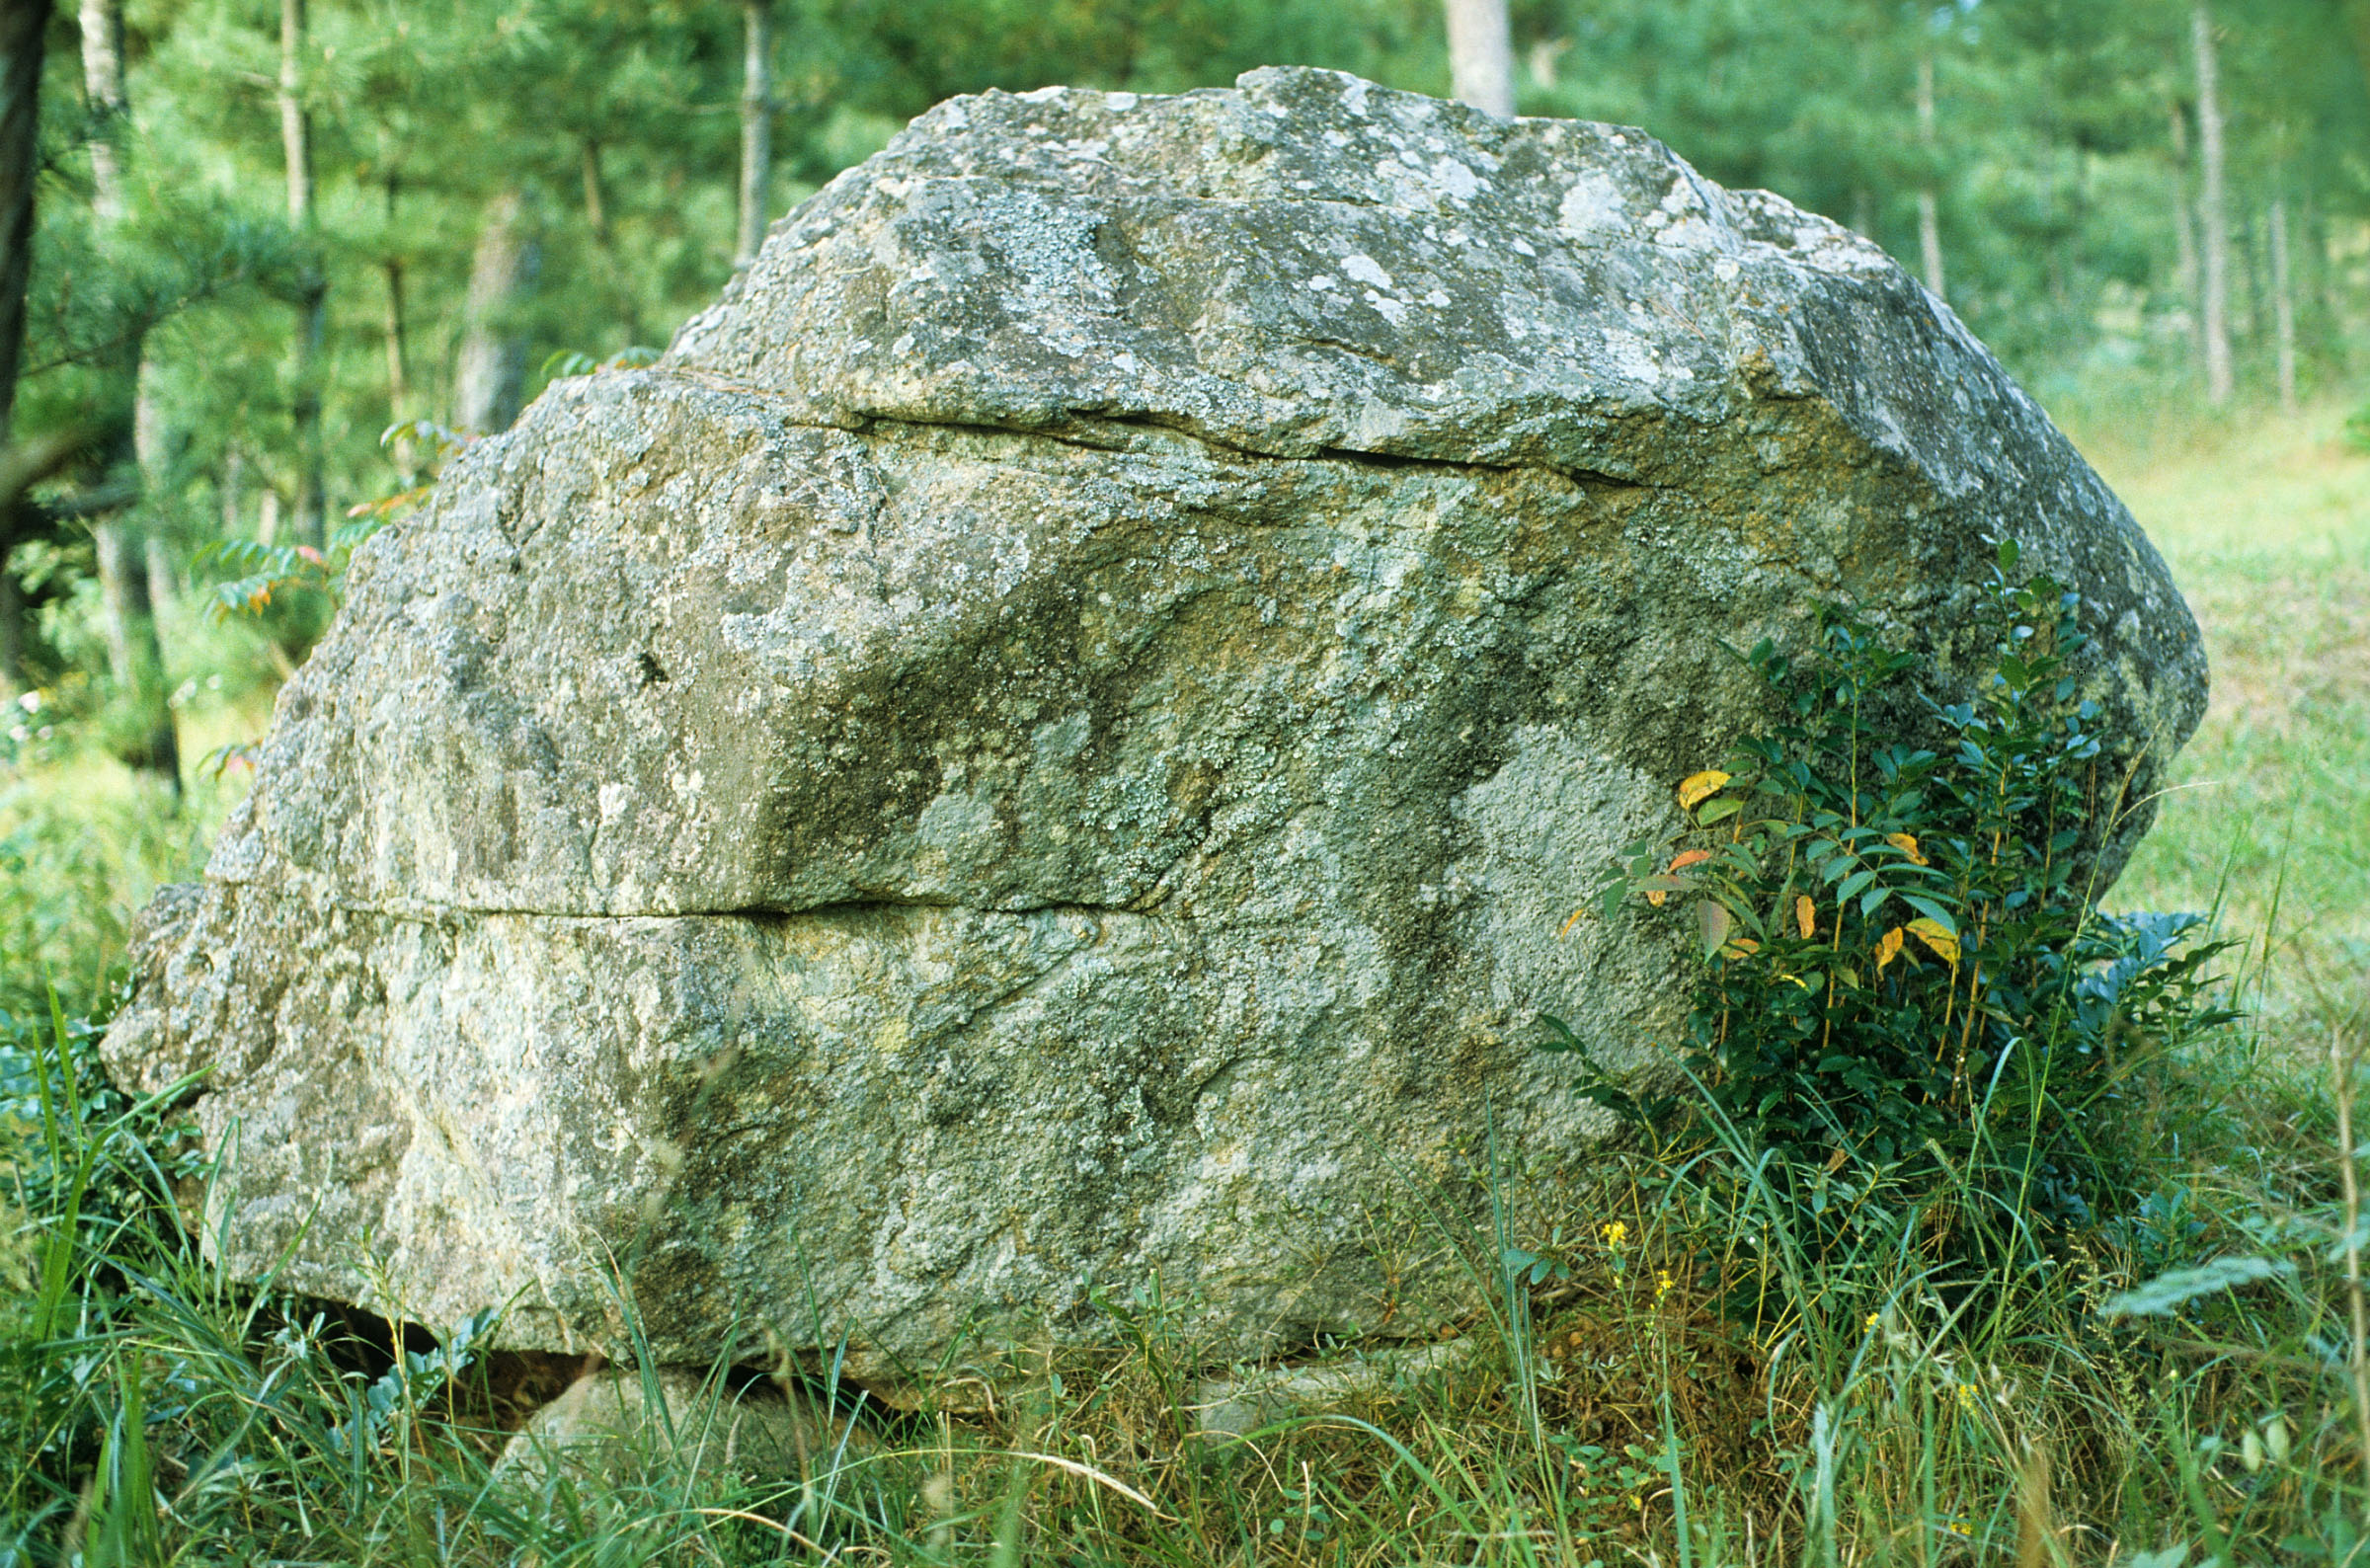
point(1906, 984)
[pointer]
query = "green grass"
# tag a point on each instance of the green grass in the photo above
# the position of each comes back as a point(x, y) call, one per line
point(2266, 522)
point(84, 845)
point(1658, 1369)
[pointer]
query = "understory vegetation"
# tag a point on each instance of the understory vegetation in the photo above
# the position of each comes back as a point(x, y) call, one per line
point(2017, 1298)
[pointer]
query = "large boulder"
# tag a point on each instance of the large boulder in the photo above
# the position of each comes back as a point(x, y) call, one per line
point(1041, 753)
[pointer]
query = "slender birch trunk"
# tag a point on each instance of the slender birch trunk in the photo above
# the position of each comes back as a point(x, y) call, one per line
point(2283, 304)
point(155, 446)
point(2212, 212)
point(1930, 226)
point(490, 380)
point(403, 450)
point(131, 648)
point(757, 126)
point(312, 303)
point(126, 600)
point(2184, 235)
point(1481, 54)
point(230, 488)
point(103, 81)
point(164, 581)
point(2329, 301)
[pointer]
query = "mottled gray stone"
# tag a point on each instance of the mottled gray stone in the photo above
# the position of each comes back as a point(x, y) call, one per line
point(605, 1430)
point(1240, 1403)
point(1046, 745)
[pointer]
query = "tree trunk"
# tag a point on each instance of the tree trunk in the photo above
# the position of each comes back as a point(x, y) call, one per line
point(156, 449)
point(2212, 214)
point(2357, 15)
point(2184, 236)
point(596, 198)
point(2283, 304)
point(1930, 225)
point(312, 301)
point(596, 223)
point(1481, 54)
point(132, 650)
point(24, 30)
point(757, 126)
point(127, 601)
point(103, 81)
point(2328, 331)
point(403, 450)
point(13, 677)
point(230, 489)
point(490, 378)
point(163, 583)
point(24, 27)
point(311, 511)
point(2245, 286)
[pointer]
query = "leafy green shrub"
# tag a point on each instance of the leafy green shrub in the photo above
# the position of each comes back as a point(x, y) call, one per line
point(1907, 989)
point(265, 573)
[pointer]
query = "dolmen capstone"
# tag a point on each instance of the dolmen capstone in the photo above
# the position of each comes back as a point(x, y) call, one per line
point(1032, 767)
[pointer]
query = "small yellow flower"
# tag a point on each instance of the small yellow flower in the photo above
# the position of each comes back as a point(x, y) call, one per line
point(1966, 1396)
point(1662, 1284)
point(1615, 1233)
point(1868, 1324)
point(1959, 1526)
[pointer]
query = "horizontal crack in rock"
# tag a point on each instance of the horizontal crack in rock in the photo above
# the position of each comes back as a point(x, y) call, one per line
point(428, 909)
point(1074, 425)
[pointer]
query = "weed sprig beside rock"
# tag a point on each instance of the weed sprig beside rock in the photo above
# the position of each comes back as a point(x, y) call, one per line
point(1909, 996)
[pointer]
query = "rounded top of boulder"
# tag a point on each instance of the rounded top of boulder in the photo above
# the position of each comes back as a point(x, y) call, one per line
point(1309, 263)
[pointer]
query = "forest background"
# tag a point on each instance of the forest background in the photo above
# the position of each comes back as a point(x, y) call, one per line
point(284, 254)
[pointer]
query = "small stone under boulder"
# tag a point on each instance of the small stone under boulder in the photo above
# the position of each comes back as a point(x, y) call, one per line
point(607, 1428)
point(1036, 760)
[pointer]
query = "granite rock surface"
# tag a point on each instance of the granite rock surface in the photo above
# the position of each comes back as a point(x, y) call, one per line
point(1045, 747)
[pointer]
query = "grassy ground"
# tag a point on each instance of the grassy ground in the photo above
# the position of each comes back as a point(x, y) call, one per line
point(85, 843)
point(1645, 1376)
point(2265, 522)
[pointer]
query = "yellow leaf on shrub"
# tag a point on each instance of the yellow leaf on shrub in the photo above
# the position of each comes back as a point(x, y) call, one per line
point(1888, 948)
point(1740, 947)
point(1691, 857)
point(1697, 788)
point(1908, 845)
point(1934, 935)
point(1656, 897)
point(1806, 915)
